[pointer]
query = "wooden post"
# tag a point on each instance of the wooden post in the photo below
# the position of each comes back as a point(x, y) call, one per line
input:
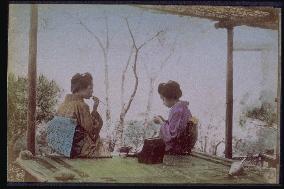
point(229, 25)
point(229, 95)
point(32, 75)
point(278, 102)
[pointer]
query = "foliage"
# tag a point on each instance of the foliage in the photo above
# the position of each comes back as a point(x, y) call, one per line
point(259, 122)
point(15, 173)
point(17, 106)
point(135, 132)
point(263, 113)
point(210, 136)
point(47, 97)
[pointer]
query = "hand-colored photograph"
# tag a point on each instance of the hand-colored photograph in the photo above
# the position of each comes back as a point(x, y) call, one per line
point(143, 94)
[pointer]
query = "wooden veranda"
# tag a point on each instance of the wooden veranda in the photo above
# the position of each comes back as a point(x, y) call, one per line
point(194, 168)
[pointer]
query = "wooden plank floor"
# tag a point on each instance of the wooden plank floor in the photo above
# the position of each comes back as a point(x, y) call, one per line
point(175, 169)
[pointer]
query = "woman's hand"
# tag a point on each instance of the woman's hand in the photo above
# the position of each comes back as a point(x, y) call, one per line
point(96, 103)
point(194, 120)
point(163, 120)
point(158, 119)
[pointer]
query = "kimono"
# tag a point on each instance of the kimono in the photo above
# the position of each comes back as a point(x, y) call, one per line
point(177, 132)
point(86, 141)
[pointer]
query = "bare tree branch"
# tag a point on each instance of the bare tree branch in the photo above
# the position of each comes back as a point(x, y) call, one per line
point(216, 147)
point(133, 40)
point(237, 143)
point(166, 59)
point(107, 33)
point(135, 61)
point(94, 35)
point(123, 77)
point(132, 37)
point(152, 80)
point(156, 35)
point(266, 126)
point(105, 50)
point(119, 129)
point(136, 83)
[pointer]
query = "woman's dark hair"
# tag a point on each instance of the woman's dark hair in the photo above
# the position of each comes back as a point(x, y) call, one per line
point(170, 90)
point(81, 81)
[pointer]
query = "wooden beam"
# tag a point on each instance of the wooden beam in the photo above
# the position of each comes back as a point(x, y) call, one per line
point(253, 17)
point(30, 174)
point(248, 49)
point(273, 161)
point(225, 23)
point(229, 95)
point(32, 75)
point(212, 158)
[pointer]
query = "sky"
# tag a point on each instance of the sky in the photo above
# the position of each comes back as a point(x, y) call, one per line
point(198, 61)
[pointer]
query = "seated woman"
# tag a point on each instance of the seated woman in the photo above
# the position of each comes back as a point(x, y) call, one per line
point(86, 141)
point(178, 132)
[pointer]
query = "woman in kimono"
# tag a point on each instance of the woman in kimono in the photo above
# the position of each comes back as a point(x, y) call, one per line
point(86, 141)
point(178, 131)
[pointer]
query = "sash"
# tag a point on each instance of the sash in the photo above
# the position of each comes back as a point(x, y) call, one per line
point(60, 134)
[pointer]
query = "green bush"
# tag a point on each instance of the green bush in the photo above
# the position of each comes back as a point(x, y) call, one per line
point(48, 93)
point(263, 113)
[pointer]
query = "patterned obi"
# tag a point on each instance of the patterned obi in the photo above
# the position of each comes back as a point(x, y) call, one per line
point(60, 134)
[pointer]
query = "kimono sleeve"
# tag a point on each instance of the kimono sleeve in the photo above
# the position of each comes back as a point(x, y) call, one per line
point(170, 130)
point(84, 118)
point(98, 123)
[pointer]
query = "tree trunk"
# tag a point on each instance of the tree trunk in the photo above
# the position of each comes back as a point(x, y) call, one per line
point(149, 102)
point(123, 79)
point(105, 50)
point(151, 90)
point(205, 144)
point(122, 92)
point(201, 146)
point(108, 116)
point(119, 131)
